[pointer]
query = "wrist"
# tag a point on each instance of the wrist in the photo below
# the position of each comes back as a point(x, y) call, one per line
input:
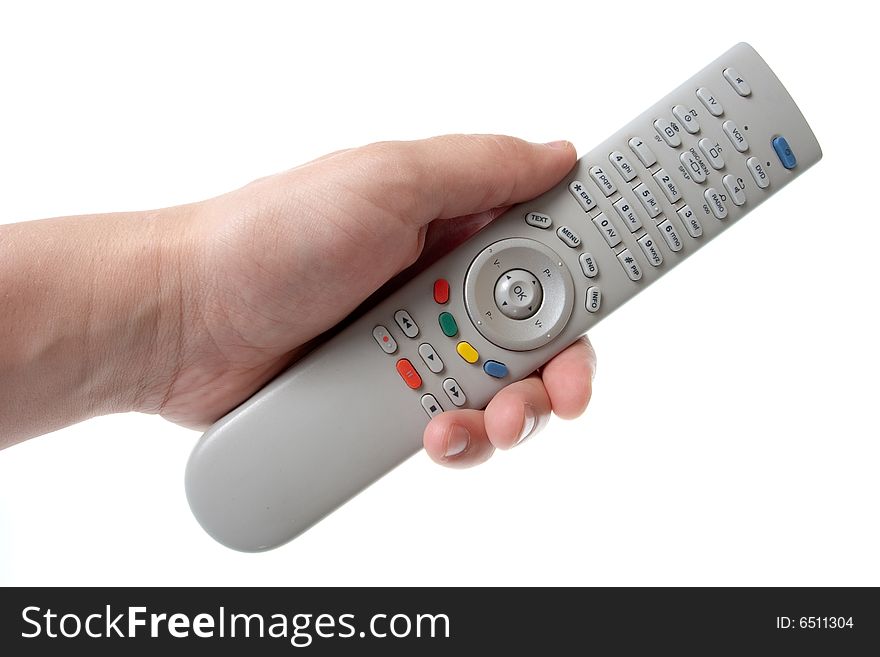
point(138, 330)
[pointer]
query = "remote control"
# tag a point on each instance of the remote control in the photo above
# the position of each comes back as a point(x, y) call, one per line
point(500, 305)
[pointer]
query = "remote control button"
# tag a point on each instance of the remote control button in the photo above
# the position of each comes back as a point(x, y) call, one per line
point(710, 102)
point(495, 369)
point(734, 187)
point(466, 351)
point(623, 166)
point(628, 213)
point(643, 152)
point(431, 406)
point(716, 203)
point(692, 166)
point(609, 232)
point(736, 136)
point(651, 250)
point(406, 323)
point(431, 357)
point(441, 291)
point(408, 374)
point(646, 196)
point(539, 220)
point(594, 298)
point(580, 193)
point(667, 230)
point(756, 168)
point(550, 272)
point(690, 221)
point(588, 265)
point(518, 294)
point(602, 180)
point(667, 184)
point(687, 118)
point(739, 85)
point(384, 339)
point(454, 392)
point(784, 152)
point(568, 237)
point(712, 151)
point(448, 325)
point(630, 266)
point(669, 131)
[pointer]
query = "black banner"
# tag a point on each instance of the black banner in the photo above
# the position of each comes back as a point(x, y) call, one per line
point(417, 621)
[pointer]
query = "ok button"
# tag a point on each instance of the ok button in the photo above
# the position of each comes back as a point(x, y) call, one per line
point(518, 294)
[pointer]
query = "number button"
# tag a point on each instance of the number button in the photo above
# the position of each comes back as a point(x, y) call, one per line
point(628, 213)
point(602, 180)
point(609, 232)
point(651, 250)
point(667, 184)
point(692, 166)
point(669, 131)
point(687, 117)
point(712, 151)
point(737, 82)
point(673, 241)
point(690, 221)
point(623, 166)
point(580, 193)
point(710, 102)
point(643, 152)
point(630, 266)
point(762, 180)
point(647, 199)
point(736, 136)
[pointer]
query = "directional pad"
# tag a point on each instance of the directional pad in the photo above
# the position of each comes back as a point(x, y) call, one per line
point(518, 294)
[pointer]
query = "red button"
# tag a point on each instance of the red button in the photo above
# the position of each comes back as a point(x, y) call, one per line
point(441, 290)
point(408, 374)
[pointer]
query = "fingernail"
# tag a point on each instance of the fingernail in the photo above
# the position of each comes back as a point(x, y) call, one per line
point(457, 441)
point(562, 143)
point(530, 421)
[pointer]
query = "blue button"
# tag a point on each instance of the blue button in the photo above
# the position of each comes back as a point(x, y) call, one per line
point(494, 368)
point(786, 155)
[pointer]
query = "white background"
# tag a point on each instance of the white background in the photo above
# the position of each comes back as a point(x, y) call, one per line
point(732, 437)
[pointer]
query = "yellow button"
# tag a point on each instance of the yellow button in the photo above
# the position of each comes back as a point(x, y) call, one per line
point(466, 351)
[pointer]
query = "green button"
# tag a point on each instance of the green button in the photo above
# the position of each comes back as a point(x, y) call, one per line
point(448, 324)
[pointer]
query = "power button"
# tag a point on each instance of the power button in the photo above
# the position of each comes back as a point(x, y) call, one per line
point(783, 150)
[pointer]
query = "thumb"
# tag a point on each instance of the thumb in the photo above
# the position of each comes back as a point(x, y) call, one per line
point(458, 175)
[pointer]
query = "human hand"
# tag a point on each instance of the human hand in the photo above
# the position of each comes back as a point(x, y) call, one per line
point(212, 299)
point(273, 265)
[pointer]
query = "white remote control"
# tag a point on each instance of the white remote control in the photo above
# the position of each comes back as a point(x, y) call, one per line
point(502, 304)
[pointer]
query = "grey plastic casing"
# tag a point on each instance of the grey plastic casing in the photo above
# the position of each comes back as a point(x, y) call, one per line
point(340, 418)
